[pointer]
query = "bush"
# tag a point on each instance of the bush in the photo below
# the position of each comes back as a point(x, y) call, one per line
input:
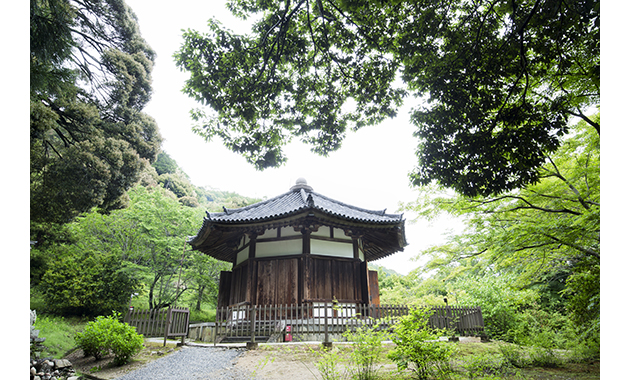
point(514, 356)
point(544, 357)
point(82, 282)
point(586, 350)
point(539, 327)
point(501, 304)
point(366, 350)
point(327, 364)
point(485, 365)
point(107, 334)
point(416, 345)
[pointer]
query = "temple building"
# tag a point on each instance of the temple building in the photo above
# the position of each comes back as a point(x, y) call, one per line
point(299, 247)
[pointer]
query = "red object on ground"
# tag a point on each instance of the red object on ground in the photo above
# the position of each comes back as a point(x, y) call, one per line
point(288, 337)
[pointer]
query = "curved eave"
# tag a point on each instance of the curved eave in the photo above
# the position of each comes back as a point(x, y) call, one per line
point(220, 240)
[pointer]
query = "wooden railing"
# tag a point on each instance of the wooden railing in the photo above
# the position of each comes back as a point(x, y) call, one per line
point(171, 322)
point(319, 319)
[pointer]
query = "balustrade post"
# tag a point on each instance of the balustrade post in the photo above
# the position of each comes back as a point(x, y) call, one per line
point(252, 345)
point(327, 343)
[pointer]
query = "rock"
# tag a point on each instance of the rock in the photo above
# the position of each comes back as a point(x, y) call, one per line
point(52, 369)
point(62, 363)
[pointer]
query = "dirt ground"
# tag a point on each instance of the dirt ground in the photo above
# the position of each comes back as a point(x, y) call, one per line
point(261, 363)
point(279, 362)
point(104, 368)
point(295, 362)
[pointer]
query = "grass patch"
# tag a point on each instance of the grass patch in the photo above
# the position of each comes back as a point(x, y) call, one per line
point(59, 333)
point(203, 315)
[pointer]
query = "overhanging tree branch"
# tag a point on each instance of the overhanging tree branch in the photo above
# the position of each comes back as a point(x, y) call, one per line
point(586, 251)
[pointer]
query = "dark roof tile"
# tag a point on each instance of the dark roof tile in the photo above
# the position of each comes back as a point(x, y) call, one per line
point(299, 200)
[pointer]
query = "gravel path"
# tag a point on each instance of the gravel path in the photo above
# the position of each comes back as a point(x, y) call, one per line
point(195, 363)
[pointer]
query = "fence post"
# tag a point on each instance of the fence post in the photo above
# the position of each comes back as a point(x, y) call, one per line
point(449, 321)
point(252, 317)
point(168, 324)
point(327, 343)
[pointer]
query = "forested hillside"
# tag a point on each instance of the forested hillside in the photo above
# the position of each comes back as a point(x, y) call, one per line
point(106, 256)
point(110, 211)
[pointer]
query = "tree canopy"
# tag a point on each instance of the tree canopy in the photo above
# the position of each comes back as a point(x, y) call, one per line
point(495, 81)
point(546, 235)
point(90, 79)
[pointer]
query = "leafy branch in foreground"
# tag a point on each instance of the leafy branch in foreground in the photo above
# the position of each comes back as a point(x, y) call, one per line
point(495, 81)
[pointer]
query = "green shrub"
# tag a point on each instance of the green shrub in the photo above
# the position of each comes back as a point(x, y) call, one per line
point(539, 327)
point(586, 350)
point(501, 303)
point(327, 364)
point(416, 345)
point(107, 334)
point(544, 357)
point(81, 282)
point(486, 364)
point(366, 350)
point(513, 355)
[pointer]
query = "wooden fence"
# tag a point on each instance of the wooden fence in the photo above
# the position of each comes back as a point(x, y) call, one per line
point(171, 322)
point(315, 321)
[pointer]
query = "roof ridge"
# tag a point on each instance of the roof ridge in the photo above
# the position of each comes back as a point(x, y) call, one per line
point(230, 211)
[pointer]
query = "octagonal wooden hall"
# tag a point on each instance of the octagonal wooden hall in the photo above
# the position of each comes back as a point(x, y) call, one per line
point(299, 247)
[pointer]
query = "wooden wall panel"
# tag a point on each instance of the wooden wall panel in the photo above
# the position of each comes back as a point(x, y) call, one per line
point(238, 291)
point(265, 286)
point(287, 282)
point(330, 278)
point(373, 287)
point(277, 282)
point(225, 287)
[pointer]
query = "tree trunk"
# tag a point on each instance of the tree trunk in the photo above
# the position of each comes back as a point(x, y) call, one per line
point(151, 288)
point(199, 297)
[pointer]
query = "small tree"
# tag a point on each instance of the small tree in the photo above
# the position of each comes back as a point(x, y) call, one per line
point(416, 345)
point(366, 350)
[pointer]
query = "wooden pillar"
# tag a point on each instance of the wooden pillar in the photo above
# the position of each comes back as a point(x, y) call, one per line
point(363, 279)
point(252, 271)
point(355, 248)
point(303, 266)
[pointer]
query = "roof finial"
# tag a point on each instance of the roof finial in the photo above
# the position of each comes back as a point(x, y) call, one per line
point(300, 183)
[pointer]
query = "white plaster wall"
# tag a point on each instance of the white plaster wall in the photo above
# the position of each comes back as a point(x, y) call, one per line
point(271, 233)
point(242, 256)
point(289, 231)
point(340, 234)
point(331, 248)
point(279, 248)
point(322, 231)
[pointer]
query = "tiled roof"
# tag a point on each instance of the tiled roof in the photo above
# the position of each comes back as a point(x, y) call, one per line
point(299, 200)
point(221, 232)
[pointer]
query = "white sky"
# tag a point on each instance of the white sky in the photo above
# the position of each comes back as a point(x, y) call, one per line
point(370, 170)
